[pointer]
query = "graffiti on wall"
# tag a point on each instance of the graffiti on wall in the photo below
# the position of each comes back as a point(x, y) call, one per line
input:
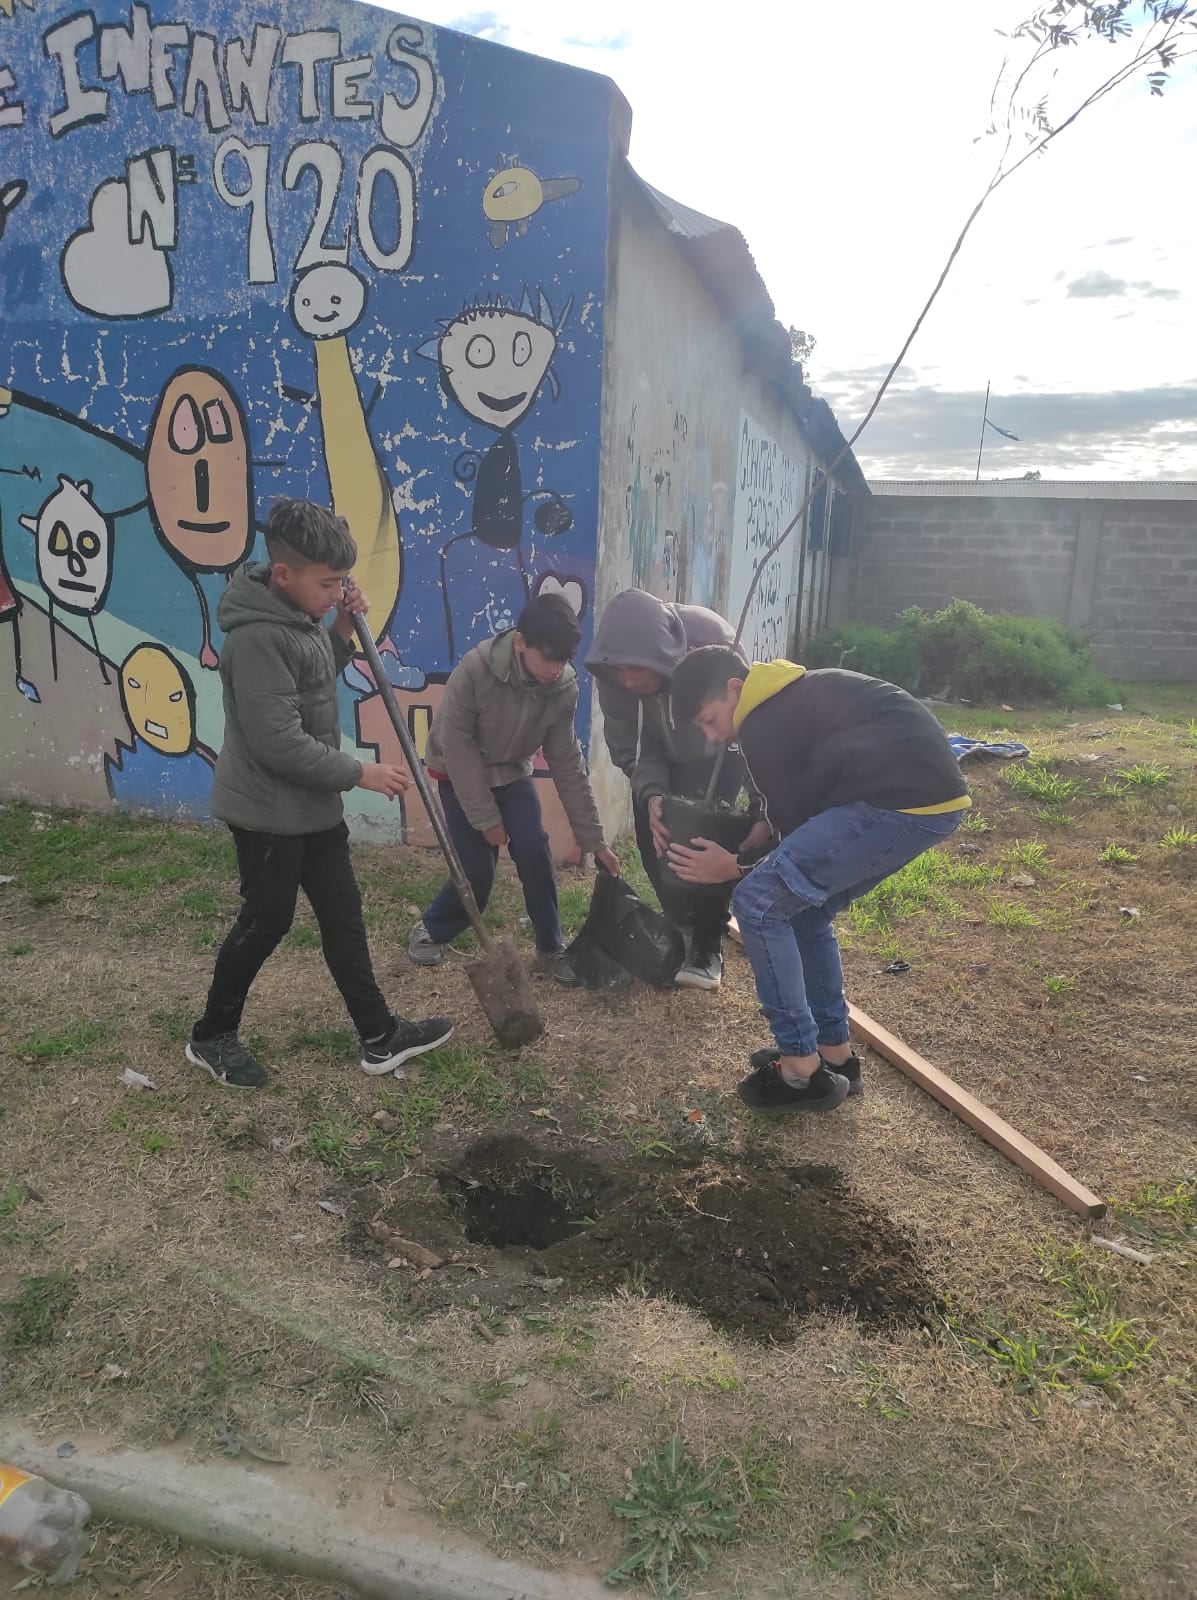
point(767, 496)
point(675, 501)
point(222, 250)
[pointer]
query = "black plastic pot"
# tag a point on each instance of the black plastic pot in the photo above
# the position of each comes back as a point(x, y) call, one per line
point(688, 820)
point(622, 935)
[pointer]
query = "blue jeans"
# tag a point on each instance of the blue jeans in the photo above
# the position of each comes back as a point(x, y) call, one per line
point(787, 904)
point(519, 807)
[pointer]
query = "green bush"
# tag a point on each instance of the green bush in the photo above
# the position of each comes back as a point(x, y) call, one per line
point(976, 655)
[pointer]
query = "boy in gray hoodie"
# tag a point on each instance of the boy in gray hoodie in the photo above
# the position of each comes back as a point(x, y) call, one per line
point(509, 697)
point(638, 645)
point(278, 785)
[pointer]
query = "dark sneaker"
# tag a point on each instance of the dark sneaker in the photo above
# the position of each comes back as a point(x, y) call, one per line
point(850, 1068)
point(423, 949)
point(229, 1062)
point(766, 1091)
point(405, 1040)
point(557, 965)
point(700, 972)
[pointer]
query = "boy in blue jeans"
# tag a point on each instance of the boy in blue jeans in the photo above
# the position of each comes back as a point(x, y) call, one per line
point(857, 779)
point(509, 697)
point(278, 785)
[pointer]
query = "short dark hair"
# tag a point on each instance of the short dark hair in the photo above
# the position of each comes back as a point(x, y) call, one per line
point(301, 533)
point(549, 625)
point(704, 675)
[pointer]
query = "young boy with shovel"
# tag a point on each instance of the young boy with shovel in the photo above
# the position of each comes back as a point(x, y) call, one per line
point(509, 697)
point(857, 779)
point(278, 785)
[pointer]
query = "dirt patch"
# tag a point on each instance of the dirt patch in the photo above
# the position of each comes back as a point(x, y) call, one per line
point(756, 1249)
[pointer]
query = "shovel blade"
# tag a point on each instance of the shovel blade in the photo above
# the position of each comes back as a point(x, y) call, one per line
point(501, 983)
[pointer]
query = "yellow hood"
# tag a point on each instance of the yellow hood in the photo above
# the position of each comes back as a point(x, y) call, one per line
point(764, 680)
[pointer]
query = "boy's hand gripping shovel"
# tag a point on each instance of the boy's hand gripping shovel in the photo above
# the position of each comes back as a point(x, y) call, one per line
point(498, 976)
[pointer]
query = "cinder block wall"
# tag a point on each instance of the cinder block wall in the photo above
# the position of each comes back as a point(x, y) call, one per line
point(1125, 571)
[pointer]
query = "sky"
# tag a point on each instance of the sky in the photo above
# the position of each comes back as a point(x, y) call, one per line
point(843, 141)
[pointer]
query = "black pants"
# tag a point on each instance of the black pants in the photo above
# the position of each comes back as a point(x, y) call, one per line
point(704, 916)
point(274, 868)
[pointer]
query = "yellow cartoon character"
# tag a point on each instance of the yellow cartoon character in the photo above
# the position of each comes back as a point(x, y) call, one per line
point(158, 700)
point(326, 303)
point(514, 195)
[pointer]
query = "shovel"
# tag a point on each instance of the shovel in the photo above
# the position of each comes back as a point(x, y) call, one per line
point(498, 977)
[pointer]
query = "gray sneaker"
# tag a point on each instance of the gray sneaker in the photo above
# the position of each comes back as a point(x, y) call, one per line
point(700, 972)
point(423, 949)
point(558, 966)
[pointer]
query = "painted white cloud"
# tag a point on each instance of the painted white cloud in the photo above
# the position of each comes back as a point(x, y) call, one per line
point(108, 275)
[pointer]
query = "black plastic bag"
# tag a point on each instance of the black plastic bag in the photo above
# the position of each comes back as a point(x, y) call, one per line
point(622, 936)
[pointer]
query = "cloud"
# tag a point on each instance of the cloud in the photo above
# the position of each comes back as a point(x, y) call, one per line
point(920, 431)
point(614, 41)
point(1099, 285)
point(483, 25)
point(106, 274)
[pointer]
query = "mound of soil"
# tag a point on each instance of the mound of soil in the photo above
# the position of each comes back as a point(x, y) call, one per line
point(755, 1249)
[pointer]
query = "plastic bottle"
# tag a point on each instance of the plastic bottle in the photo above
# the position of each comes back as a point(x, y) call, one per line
point(41, 1527)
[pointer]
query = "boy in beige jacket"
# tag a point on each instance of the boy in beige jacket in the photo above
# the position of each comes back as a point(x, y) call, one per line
point(509, 697)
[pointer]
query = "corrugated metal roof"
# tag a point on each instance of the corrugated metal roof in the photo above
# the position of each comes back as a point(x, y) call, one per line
point(684, 220)
point(1036, 489)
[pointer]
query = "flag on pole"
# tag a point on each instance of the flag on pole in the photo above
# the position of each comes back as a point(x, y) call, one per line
point(1002, 431)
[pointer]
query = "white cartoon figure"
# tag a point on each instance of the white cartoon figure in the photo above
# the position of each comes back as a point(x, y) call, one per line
point(495, 358)
point(74, 558)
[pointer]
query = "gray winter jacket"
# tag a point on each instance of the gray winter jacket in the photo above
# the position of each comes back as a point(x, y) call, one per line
point(638, 630)
point(493, 720)
point(281, 769)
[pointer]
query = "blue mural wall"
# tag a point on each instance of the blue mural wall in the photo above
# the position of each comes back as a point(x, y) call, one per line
point(259, 250)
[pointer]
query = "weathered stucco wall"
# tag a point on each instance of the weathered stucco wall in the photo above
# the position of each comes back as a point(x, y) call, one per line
point(702, 462)
point(1123, 570)
point(358, 259)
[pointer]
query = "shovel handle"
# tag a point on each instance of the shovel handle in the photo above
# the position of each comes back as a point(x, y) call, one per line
point(426, 792)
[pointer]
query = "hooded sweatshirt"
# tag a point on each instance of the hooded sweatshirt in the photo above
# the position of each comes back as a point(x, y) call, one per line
point(814, 740)
point(638, 630)
point(281, 769)
point(493, 720)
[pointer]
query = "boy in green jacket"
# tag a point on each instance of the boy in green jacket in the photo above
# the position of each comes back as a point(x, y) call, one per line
point(509, 697)
point(278, 785)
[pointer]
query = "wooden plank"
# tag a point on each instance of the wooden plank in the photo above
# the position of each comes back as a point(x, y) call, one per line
point(992, 1128)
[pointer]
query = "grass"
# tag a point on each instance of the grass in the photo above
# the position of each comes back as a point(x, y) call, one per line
point(1090, 1344)
point(1001, 914)
point(71, 1042)
point(1145, 775)
point(1117, 855)
point(38, 1311)
point(1029, 853)
point(1034, 781)
point(1179, 838)
point(973, 822)
point(893, 1461)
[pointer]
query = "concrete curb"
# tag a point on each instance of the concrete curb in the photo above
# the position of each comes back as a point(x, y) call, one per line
point(279, 1516)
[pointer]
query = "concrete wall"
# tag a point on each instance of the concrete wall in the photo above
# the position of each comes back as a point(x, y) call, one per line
point(700, 457)
point(261, 255)
point(1125, 571)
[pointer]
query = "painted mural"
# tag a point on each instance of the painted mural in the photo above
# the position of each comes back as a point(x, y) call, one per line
point(769, 489)
point(250, 253)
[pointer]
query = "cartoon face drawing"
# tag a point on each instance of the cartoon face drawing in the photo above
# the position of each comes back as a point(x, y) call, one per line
point(327, 300)
point(512, 195)
point(198, 471)
point(74, 549)
point(493, 361)
point(158, 700)
point(515, 195)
